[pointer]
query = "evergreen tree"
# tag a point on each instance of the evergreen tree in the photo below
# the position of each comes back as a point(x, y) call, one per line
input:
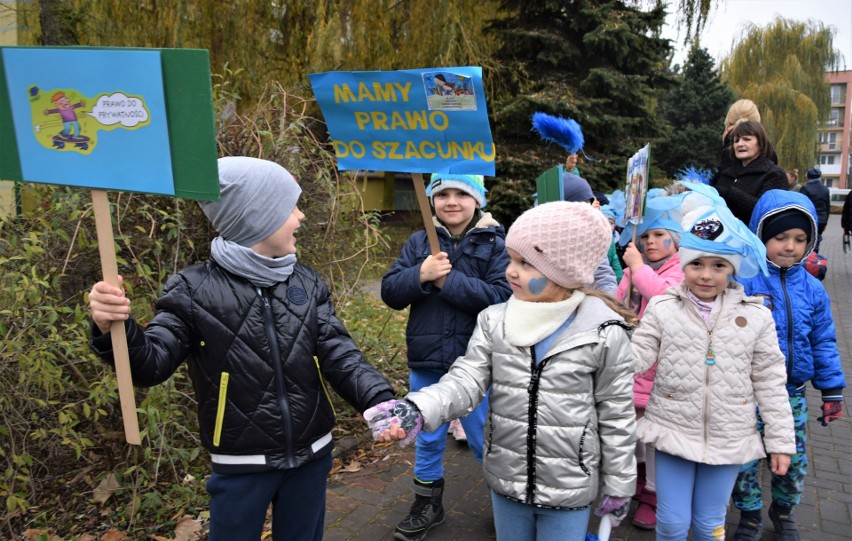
point(599, 62)
point(695, 109)
point(781, 67)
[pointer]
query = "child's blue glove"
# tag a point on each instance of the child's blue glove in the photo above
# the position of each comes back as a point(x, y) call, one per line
point(615, 506)
point(401, 413)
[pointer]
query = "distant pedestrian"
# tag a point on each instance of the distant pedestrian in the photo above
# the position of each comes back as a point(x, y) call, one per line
point(820, 196)
point(786, 223)
point(557, 359)
point(846, 221)
point(445, 292)
point(716, 353)
point(793, 180)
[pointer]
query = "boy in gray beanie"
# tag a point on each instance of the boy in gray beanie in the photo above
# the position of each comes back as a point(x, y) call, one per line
point(250, 322)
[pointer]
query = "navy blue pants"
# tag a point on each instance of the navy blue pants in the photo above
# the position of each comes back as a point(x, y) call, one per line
point(238, 503)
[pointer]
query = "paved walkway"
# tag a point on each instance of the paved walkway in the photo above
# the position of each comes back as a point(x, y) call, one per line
point(367, 504)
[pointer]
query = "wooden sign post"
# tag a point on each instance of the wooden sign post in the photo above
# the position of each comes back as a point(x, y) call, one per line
point(106, 242)
point(426, 213)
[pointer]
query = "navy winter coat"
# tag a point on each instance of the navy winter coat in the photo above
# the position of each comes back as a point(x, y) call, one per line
point(441, 321)
point(800, 306)
point(259, 360)
point(820, 196)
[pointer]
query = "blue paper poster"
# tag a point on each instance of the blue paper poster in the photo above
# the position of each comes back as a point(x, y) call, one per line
point(418, 121)
point(88, 117)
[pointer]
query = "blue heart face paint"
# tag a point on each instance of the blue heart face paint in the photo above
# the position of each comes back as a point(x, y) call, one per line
point(657, 244)
point(530, 285)
point(537, 285)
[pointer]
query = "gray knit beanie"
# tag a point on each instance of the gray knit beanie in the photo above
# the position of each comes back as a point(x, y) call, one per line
point(257, 197)
point(564, 241)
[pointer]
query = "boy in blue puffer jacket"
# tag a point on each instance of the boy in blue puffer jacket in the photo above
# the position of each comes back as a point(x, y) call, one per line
point(446, 292)
point(786, 223)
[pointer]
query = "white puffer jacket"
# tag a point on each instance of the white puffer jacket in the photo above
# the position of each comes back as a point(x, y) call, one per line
point(557, 429)
point(706, 412)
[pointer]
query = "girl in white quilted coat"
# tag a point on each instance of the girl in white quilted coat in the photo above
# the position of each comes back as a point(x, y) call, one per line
point(717, 353)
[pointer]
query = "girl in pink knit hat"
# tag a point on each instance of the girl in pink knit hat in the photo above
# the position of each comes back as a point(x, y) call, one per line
point(557, 359)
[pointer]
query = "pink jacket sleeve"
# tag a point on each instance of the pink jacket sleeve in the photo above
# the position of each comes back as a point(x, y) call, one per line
point(650, 284)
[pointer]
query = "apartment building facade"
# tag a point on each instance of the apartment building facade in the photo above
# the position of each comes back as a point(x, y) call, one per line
point(833, 156)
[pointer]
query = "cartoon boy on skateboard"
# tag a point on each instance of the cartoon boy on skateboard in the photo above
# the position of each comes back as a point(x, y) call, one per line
point(70, 126)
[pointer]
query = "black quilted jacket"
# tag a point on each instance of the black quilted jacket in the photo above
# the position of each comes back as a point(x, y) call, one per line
point(259, 360)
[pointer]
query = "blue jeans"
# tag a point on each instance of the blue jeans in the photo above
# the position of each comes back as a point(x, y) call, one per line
point(429, 447)
point(238, 503)
point(692, 494)
point(516, 521)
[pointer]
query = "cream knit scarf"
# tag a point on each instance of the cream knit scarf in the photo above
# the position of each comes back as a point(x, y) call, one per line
point(528, 323)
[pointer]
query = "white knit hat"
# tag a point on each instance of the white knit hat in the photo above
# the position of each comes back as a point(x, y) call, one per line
point(564, 241)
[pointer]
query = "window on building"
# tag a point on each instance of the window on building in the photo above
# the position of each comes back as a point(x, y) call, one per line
point(834, 118)
point(832, 141)
point(836, 93)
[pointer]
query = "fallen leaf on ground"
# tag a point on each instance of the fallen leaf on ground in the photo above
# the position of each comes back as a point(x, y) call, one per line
point(187, 529)
point(352, 467)
point(105, 489)
point(113, 535)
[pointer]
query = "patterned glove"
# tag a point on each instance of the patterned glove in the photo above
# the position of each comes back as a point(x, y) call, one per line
point(831, 411)
point(614, 506)
point(402, 413)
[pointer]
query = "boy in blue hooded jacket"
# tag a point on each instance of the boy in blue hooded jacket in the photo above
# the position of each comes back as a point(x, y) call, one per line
point(786, 223)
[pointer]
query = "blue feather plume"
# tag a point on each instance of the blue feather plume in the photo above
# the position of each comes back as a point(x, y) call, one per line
point(563, 131)
point(694, 174)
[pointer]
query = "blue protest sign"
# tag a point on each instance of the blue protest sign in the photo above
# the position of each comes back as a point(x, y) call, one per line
point(417, 121)
point(62, 100)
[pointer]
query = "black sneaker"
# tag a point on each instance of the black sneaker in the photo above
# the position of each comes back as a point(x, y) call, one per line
point(784, 523)
point(748, 529)
point(426, 512)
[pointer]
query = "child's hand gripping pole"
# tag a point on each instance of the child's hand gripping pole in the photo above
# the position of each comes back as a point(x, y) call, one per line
point(426, 213)
point(387, 416)
point(103, 224)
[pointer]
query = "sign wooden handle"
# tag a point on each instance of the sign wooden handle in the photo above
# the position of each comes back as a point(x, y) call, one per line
point(109, 265)
point(426, 212)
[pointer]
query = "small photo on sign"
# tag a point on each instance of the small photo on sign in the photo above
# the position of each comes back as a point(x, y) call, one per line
point(447, 91)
